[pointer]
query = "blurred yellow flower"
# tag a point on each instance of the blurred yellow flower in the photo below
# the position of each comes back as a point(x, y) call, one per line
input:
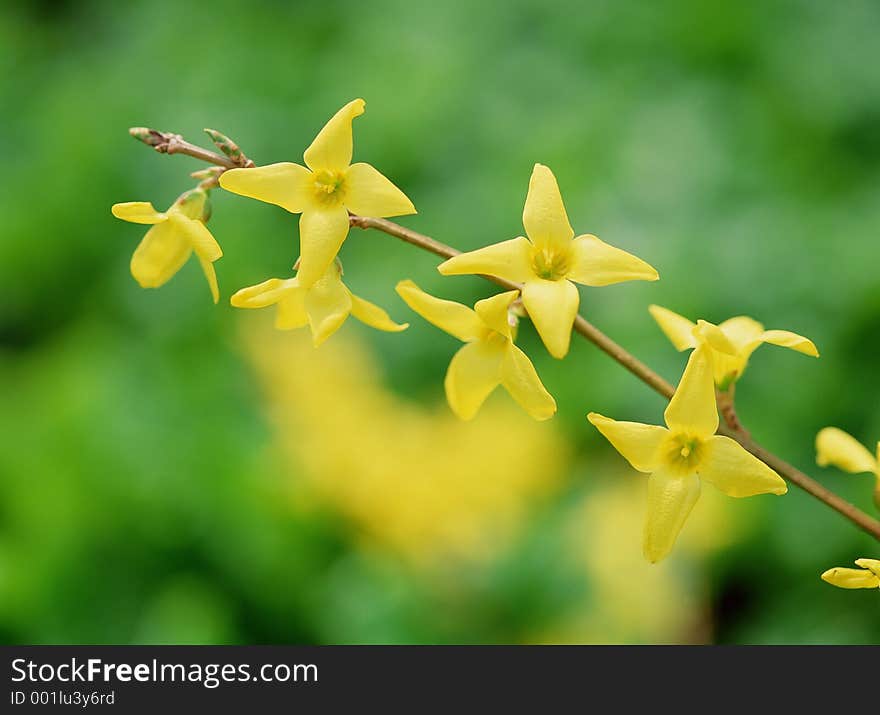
point(689, 451)
point(489, 357)
point(868, 576)
point(410, 478)
point(732, 341)
point(836, 447)
point(550, 261)
point(323, 193)
point(174, 236)
point(324, 307)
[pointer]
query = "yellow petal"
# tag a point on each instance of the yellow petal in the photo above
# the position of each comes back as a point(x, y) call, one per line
point(369, 193)
point(552, 307)
point(160, 254)
point(670, 500)
point(269, 292)
point(292, 310)
point(851, 578)
point(743, 332)
point(456, 319)
point(475, 370)
point(493, 311)
point(678, 329)
point(374, 316)
point(544, 216)
point(731, 469)
point(198, 235)
point(873, 565)
point(520, 379)
point(637, 443)
point(596, 263)
point(211, 276)
point(328, 304)
point(285, 184)
point(790, 340)
point(332, 148)
point(836, 447)
point(692, 408)
point(715, 337)
point(138, 212)
point(321, 234)
point(510, 260)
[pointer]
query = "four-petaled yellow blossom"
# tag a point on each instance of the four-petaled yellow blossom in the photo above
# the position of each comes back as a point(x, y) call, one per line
point(689, 451)
point(836, 447)
point(488, 359)
point(174, 236)
point(868, 576)
point(732, 341)
point(550, 261)
point(323, 193)
point(324, 306)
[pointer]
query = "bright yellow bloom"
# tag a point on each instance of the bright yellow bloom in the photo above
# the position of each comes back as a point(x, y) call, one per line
point(689, 451)
point(324, 192)
point(173, 237)
point(550, 261)
point(324, 306)
point(488, 359)
point(732, 342)
point(868, 576)
point(836, 447)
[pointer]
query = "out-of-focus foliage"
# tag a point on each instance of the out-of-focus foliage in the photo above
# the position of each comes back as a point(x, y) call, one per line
point(171, 471)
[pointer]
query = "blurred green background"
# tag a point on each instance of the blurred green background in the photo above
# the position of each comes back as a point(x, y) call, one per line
point(175, 472)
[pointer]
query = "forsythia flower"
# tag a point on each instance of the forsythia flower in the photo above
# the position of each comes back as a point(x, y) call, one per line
point(324, 306)
point(323, 193)
point(689, 451)
point(732, 341)
point(550, 261)
point(834, 446)
point(488, 359)
point(868, 576)
point(174, 236)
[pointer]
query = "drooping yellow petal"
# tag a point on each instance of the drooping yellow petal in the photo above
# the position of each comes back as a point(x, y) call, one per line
point(454, 318)
point(321, 234)
point(269, 292)
point(374, 316)
point(285, 184)
point(138, 212)
point(793, 341)
point(692, 408)
point(715, 337)
point(474, 372)
point(544, 216)
point(520, 379)
point(678, 329)
point(873, 565)
point(836, 447)
point(160, 254)
point(639, 444)
point(734, 471)
point(211, 276)
point(510, 260)
point(332, 148)
point(596, 263)
point(493, 311)
point(851, 578)
point(742, 331)
point(552, 307)
point(670, 500)
point(328, 304)
point(198, 235)
point(370, 193)
point(292, 310)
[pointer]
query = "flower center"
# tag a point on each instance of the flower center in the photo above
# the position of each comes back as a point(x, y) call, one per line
point(550, 263)
point(329, 187)
point(683, 453)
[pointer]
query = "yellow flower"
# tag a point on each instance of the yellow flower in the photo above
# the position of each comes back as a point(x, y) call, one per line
point(868, 576)
point(323, 193)
point(688, 452)
point(324, 306)
point(173, 237)
point(488, 359)
point(550, 261)
point(732, 342)
point(834, 446)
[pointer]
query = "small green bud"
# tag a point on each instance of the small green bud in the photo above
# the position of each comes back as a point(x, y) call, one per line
point(150, 137)
point(226, 145)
